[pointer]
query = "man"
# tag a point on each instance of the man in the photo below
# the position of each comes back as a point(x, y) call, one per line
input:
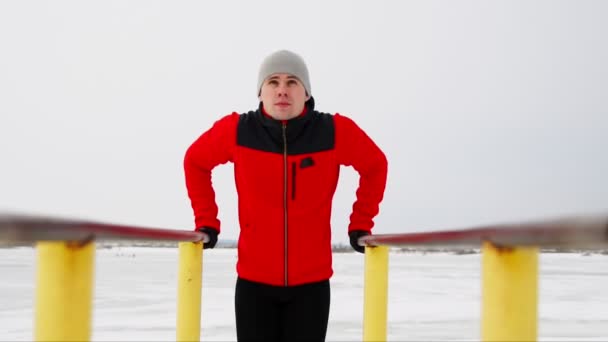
point(286, 159)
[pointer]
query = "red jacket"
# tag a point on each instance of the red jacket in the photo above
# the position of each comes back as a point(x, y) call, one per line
point(286, 175)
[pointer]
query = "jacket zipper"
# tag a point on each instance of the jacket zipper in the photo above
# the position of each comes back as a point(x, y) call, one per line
point(285, 199)
point(293, 181)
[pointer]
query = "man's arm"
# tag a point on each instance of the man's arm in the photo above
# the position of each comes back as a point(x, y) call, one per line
point(212, 148)
point(355, 148)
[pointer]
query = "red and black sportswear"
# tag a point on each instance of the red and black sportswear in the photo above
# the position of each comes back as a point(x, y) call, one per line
point(286, 175)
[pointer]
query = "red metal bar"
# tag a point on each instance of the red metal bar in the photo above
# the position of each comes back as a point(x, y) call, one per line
point(581, 232)
point(30, 228)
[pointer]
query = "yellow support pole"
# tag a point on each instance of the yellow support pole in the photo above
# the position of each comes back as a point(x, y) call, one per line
point(376, 293)
point(189, 286)
point(509, 299)
point(64, 291)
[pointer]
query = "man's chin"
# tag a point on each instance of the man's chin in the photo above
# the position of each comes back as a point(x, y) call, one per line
point(283, 115)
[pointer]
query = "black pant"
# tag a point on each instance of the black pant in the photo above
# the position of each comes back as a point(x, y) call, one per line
point(277, 313)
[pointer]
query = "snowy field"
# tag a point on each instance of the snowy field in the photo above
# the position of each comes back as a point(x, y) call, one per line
point(431, 297)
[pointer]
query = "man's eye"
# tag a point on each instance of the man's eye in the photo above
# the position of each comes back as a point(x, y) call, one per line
point(292, 82)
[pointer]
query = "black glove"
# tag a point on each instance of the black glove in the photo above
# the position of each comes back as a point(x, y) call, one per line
point(354, 236)
point(212, 233)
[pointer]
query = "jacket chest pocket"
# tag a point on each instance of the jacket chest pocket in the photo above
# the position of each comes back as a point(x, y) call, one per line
point(312, 176)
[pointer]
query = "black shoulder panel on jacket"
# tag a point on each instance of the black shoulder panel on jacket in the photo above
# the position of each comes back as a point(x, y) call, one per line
point(311, 132)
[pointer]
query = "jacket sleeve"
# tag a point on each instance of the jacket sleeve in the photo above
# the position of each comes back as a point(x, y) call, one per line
point(214, 147)
point(355, 148)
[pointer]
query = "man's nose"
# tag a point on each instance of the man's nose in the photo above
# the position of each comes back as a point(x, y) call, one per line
point(282, 90)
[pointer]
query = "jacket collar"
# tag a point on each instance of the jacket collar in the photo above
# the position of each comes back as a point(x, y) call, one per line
point(294, 127)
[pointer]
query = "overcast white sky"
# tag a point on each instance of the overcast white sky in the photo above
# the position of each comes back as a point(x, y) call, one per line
point(488, 111)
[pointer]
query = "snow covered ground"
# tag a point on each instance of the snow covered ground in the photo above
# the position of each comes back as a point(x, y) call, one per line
point(431, 296)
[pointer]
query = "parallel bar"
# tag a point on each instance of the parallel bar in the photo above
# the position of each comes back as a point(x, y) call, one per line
point(28, 228)
point(189, 287)
point(509, 294)
point(64, 291)
point(376, 294)
point(583, 232)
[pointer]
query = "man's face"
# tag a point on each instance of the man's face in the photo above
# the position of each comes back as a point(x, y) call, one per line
point(283, 96)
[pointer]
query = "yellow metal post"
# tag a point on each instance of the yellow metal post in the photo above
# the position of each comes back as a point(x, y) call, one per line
point(376, 293)
point(189, 286)
point(509, 299)
point(64, 291)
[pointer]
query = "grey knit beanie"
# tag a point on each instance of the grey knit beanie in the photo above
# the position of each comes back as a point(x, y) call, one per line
point(287, 62)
